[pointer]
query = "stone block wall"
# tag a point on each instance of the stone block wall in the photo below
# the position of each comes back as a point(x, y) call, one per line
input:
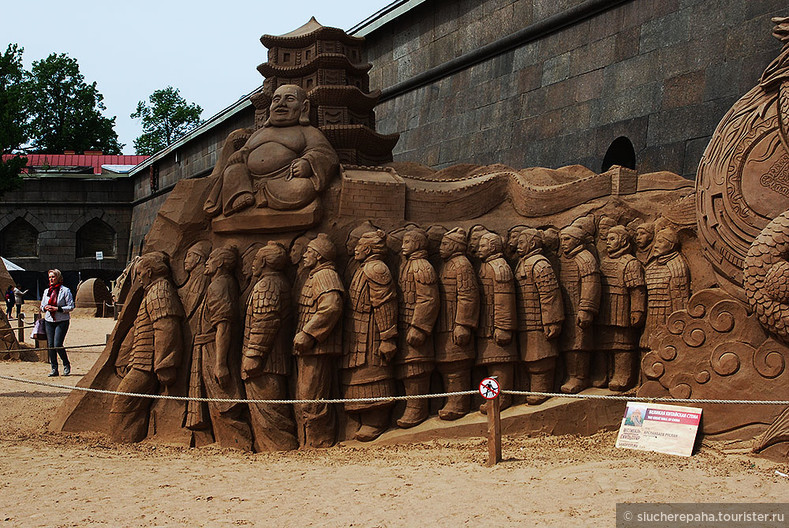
point(660, 72)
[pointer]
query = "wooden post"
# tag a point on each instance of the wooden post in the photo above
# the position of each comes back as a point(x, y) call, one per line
point(20, 324)
point(494, 430)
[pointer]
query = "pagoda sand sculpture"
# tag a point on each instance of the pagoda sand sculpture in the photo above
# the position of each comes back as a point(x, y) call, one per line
point(681, 291)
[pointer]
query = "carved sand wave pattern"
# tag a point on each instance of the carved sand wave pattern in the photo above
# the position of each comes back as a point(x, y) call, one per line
point(476, 194)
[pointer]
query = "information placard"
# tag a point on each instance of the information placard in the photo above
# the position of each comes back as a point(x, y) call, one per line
point(663, 428)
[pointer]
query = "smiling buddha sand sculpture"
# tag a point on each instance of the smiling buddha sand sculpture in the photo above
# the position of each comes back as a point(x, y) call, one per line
point(283, 165)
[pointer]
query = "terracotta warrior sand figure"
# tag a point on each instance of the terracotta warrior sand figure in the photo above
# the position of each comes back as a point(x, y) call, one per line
point(219, 339)
point(580, 283)
point(550, 247)
point(192, 294)
point(318, 343)
point(457, 319)
point(622, 308)
point(474, 234)
point(350, 247)
point(419, 305)
point(283, 165)
point(601, 365)
point(540, 315)
point(496, 347)
point(668, 285)
point(645, 235)
point(367, 359)
point(157, 350)
point(511, 246)
point(266, 361)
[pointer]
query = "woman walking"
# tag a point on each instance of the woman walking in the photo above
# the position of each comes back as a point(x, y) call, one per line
point(56, 304)
point(19, 298)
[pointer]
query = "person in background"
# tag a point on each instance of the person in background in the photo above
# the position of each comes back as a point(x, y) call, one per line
point(56, 304)
point(9, 300)
point(19, 298)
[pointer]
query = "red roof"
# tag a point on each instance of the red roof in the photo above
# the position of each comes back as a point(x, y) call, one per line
point(79, 160)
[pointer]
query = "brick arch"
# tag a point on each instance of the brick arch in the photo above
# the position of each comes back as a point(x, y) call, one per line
point(95, 214)
point(28, 217)
point(19, 239)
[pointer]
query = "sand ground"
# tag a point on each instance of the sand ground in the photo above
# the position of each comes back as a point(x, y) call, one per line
point(59, 480)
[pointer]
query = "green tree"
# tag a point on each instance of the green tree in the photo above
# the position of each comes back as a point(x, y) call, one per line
point(12, 117)
point(65, 111)
point(167, 118)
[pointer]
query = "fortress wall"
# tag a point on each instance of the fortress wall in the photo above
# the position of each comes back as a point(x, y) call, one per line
point(660, 72)
point(57, 207)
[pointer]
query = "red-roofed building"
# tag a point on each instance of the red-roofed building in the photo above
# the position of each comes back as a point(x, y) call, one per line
point(71, 163)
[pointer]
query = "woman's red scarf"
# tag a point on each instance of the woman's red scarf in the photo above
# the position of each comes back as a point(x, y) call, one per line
point(53, 294)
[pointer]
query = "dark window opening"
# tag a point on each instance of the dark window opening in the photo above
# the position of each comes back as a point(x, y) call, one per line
point(620, 153)
point(95, 236)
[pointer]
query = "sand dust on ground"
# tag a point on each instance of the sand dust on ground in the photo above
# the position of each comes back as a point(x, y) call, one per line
point(83, 480)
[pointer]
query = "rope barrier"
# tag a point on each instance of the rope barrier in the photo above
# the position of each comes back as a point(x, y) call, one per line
point(47, 348)
point(237, 400)
point(401, 398)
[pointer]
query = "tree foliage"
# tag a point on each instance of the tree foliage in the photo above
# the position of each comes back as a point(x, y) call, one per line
point(165, 119)
point(12, 117)
point(12, 113)
point(65, 111)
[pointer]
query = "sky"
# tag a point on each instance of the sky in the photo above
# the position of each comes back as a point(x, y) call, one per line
point(208, 50)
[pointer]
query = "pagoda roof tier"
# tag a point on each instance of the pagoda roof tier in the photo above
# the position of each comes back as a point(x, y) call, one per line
point(336, 61)
point(307, 34)
point(350, 97)
point(362, 138)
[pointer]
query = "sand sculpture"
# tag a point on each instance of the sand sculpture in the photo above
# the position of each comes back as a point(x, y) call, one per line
point(418, 304)
point(540, 315)
point(552, 279)
point(496, 347)
point(318, 342)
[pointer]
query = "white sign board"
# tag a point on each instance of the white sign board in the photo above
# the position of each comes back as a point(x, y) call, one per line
point(663, 428)
point(99, 255)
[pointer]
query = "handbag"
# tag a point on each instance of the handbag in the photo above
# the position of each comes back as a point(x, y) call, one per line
point(39, 330)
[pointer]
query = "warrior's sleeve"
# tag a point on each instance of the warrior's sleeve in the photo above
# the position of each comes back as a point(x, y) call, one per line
point(321, 156)
point(589, 271)
point(551, 303)
point(221, 301)
point(467, 295)
point(679, 285)
point(427, 299)
point(164, 308)
point(636, 285)
point(504, 311)
point(328, 287)
point(264, 318)
point(383, 298)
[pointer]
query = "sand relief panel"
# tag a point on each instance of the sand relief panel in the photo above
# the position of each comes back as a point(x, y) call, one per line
point(554, 280)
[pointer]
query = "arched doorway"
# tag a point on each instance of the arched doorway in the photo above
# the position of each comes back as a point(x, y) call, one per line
point(621, 152)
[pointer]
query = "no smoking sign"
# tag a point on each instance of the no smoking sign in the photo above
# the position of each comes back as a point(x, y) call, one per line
point(489, 388)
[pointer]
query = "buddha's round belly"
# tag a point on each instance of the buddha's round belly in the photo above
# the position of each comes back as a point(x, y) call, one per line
point(269, 157)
